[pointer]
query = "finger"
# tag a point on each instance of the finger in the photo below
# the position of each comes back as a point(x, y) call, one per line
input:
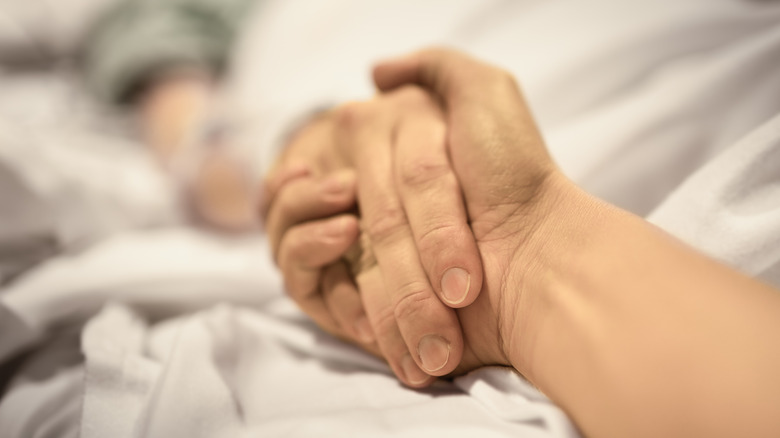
point(433, 203)
point(379, 310)
point(450, 74)
point(485, 112)
point(276, 180)
point(304, 251)
point(343, 301)
point(306, 199)
point(429, 328)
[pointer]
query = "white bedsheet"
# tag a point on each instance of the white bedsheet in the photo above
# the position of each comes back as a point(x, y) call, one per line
point(269, 372)
point(229, 370)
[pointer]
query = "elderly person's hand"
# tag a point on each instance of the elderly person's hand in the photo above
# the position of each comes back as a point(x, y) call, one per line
point(410, 207)
point(508, 179)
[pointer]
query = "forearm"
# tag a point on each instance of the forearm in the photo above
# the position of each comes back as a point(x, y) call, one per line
point(635, 334)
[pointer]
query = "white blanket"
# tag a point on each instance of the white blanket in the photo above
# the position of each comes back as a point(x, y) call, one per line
point(229, 371)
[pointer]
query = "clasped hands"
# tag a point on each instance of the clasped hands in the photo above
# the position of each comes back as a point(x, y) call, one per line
point(407, 224)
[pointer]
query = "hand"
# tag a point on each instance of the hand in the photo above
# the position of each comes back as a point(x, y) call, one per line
point(584, 298)
point(307, 220)
point(497, 151)
point(424, 216)
point(509, 182)
point(504, 204)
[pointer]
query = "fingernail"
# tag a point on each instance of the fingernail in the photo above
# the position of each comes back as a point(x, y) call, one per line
point(363, 330)
point(414, 375)
point(455, 285)
point(434, 352)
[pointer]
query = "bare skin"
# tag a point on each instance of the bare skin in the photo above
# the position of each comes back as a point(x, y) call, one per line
point(627, 329)
point(417, 344)
point(173, 110)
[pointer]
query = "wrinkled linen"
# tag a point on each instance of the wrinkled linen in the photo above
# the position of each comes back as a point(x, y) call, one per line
point(46, 30)
point(69, 173)
point(668, 109)
point(262, 368)
point(237, 372)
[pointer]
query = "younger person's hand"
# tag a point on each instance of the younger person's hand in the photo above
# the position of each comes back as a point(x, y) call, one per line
point(585, 298)
point(510, 186)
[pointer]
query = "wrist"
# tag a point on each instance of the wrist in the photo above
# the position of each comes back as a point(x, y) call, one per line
point(564, 218)
point(607, 304)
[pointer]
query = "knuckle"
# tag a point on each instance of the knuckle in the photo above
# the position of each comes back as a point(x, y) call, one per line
point(289, 250)
point(410, 95)
point(437, 237)
point(422, 172)
point(411, 305)
point(295, 288)
point(385, 224)
point(384, 324)
point(289, 199)
point(285, 203)
point(353, 114)
point(303, 245)
point(505, 79)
